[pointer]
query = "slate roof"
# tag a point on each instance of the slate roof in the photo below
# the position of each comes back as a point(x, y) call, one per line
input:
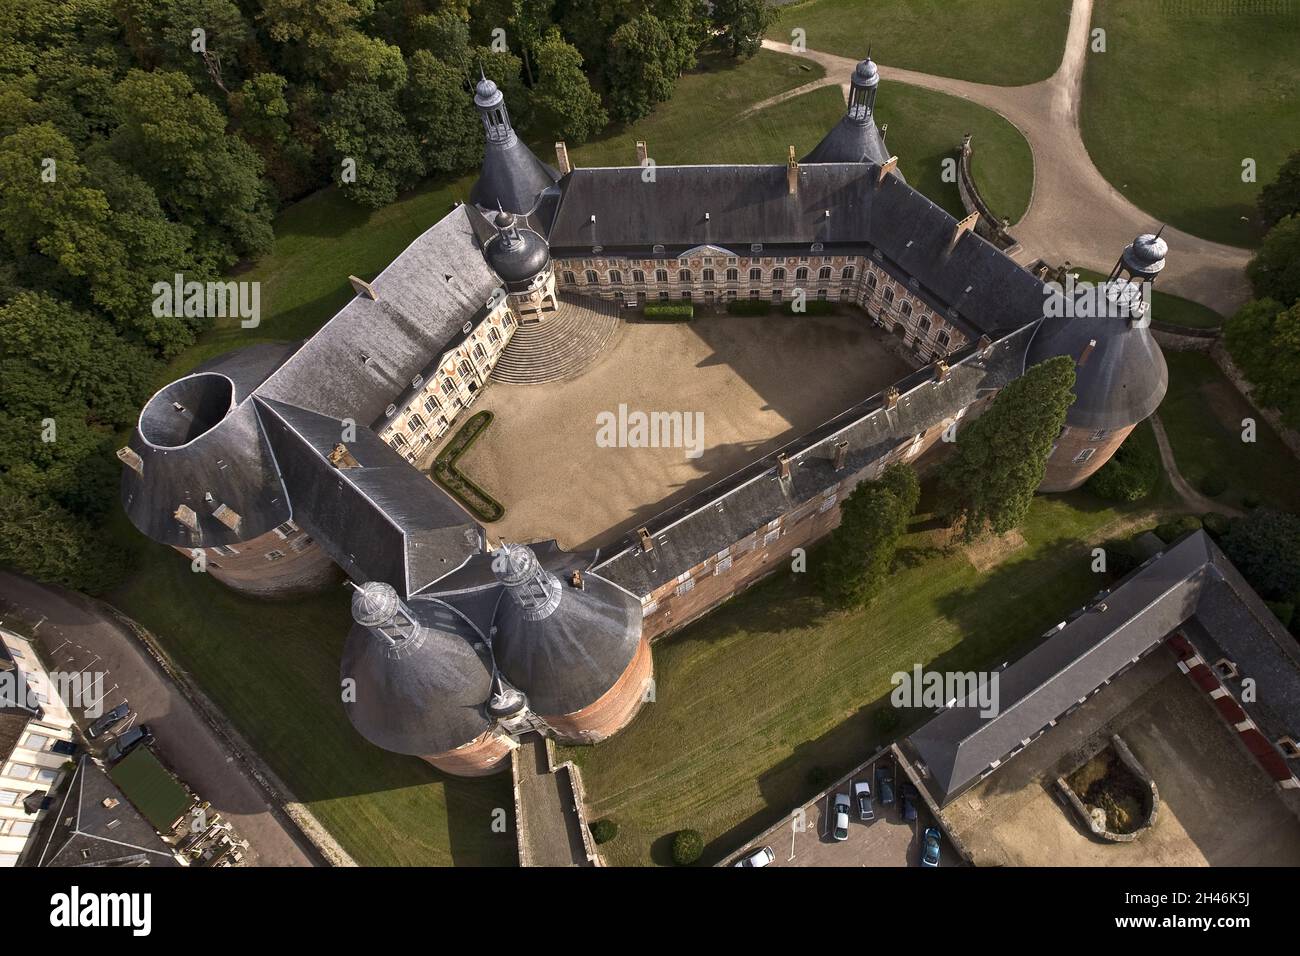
point(907, 234)
point(426, 695)
point(511, 176)
point(744, 502)
point(1191, 581)
point(851, 141)
point(87, 833)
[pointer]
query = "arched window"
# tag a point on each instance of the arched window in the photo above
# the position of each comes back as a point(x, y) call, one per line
point(755, 275)
point(448, 387)
point(466, 370)
point(923, 326)
point(615, 276)
point(733, 275)
point(801, 275)
point(889, 297)
point(871, 281)
point(943, 339)
point(906, 310)
point(494, 336)
point(708, 275)
point(569, 278)
point(415, 423)
point(638, 276)
point(684, 275)
point(847, 273)
point(661, 275)
point(592, 278)
point(778, 275)
point(824, 274)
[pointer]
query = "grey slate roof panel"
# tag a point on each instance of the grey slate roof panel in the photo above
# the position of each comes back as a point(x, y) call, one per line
point(369, 352)
point(850, 141)
point(512, 176)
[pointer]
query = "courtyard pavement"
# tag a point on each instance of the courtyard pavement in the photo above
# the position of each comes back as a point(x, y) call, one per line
point(1074, 213)
point(759, 382)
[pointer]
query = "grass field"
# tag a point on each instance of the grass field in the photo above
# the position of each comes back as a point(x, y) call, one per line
point(1202, 414)
point(151, 789)
point(1172, 309)
point(770, 686)
point(1182, 96)
point(1008, 42)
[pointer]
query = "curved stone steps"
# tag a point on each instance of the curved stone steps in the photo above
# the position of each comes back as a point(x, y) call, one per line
point(562, 346)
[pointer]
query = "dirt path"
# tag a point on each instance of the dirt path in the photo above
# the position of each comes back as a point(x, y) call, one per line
point(1074, 214)
point(1194, 500)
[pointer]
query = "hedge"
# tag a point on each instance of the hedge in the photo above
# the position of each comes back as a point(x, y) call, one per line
point(1130, 475)
point(481, 504)
point(674, 312)
point(749, 307)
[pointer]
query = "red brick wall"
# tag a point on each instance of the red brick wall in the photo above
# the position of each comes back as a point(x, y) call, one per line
point(489, 754)
point(304, 566)
point(1063, 474)
point(616, 707)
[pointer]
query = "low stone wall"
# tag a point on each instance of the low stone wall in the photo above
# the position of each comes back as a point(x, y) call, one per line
point(1130, 763)
point(1290, 437)
point(990, 226)
point(574, 778)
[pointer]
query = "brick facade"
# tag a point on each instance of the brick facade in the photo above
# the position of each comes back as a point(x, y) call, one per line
point(616, 707)
point(1078, 453)
point(281, 563)
point(478, 758)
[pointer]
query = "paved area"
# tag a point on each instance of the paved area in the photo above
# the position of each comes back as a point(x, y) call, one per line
point(549, 829)
point(1074, 213)
point(76, 635)
point(1216, 807)
point(887, 840)
point(758, 382)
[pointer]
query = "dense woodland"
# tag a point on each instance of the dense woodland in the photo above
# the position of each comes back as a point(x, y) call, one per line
point(144, 138)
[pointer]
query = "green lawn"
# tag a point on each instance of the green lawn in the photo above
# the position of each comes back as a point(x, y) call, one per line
point(1007, 42)
point(770, 686)
point(1202, 414)
point(1178, 100)
point(153, 791)
point(1173, 309)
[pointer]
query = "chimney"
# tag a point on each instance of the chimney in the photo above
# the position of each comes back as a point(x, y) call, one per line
point(841, 455)
point(884, 131)
point(985, 344)
point(966, 225)
point(647, 542)
point(940, 370)
point(227, 516)
point(362, 287)
point(186, 516)
point(792, 173)
point(783, 466)
point(1087, 351)
point(891, 397)
point(562, 158)
point(886, 168)
point(128, 457)
point(340, 457)
point(642, 154)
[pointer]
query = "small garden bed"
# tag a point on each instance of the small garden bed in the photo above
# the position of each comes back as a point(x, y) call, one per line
point(480, 504)
point(1114, 794)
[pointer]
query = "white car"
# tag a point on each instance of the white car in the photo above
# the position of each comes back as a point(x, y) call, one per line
point(862, 791)
point(763, 856)
point(841, 831)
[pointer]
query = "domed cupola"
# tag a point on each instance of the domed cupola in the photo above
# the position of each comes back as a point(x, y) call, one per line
point(512, 178)
point(564, 644)
point(414, 683)
point(855, 138)
point(517, 254)
point(1144, 257)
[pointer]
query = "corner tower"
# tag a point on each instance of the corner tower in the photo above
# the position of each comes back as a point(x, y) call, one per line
point(512, 178)
point(1120, 372)
point(855, 138)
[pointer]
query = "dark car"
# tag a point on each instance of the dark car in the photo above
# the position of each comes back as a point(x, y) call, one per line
point(124, 744)
point(885, 786)
point(930, 845)
point(909, 797)
point(862, 792)
point(108, 721)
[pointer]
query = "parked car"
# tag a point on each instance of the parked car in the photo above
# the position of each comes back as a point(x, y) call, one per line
point(909, 797)
point(885, 786)
point(841, 818)
point(763, 856)
point(930, 844)
point(124, 744)
point(862, 793)
point(108, 721)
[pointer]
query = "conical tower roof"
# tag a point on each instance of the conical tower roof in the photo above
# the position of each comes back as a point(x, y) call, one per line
point(512, 178)
point(855, 138)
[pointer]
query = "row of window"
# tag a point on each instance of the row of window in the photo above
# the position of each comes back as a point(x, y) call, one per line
point(825, 274)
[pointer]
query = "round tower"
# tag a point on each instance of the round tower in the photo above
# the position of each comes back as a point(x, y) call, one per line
point(575, 647)
point(522, 258)
point(512, 177)
point(416, 679)
point(1120, 372)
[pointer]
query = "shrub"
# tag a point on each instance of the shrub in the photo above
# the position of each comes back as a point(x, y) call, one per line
point(1130, 475)
point(811, 307)
point(1216, 525)
point(1175, 528)
point(688, 847)
point(1213, 485)
point(1122, 556)
point(749, 307)
point(675, 312)
point(602, 831)
point(1265, 547)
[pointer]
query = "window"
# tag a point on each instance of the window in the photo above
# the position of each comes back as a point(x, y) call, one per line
point(431, 404)
point(776, 295)
point(274, 555)
point(684, 275)
point(8, 798)
point(615, 276)
point(801, 275)
point(225, 549)
point(778, 275)
point(685, 587)
point(415, 423)
point(827, 503)
point(494, 336)
point(36, 742)
point(871, 281)
point(924, 325)
point(638, 276)
point(569, 278)
point(661, 275)
point(723, 565)
point(480, 352)
point(448, 387)
point(1084, 455)
point(286, 529)
point(399, 441)
point(846, 274)
point(708, 275)
point(821, 295)
point(943, 338)
point(21, 771)
point(650, 609)
point(889, 297)
point(846, 293)
point(1100, 433)
point(754, 293)
point(592, 278)
point(303, 543)
point(824, 274)
point(466, 370)
point(905, 310)
point(755, 275)
point(686, 294)
point(771, 536)
point(733, 275)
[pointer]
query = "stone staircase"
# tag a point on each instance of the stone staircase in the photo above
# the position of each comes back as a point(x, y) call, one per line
point(563, 345)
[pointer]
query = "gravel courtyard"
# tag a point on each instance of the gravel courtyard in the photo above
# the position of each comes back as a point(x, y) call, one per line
point(759, 382)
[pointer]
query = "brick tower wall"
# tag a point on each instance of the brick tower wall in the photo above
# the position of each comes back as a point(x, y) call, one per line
point(280, 563)
point(489, 754)
point(615, 708)
point(1064, 471)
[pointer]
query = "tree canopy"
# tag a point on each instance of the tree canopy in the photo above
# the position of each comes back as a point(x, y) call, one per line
point(860, 552)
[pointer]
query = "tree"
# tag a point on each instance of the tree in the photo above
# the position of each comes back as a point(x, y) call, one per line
point(860, 553)
point(1265, 547)
point(1274, 271)
point(440, 112)
point(1281, 197)
point(40, 539)
point(1000, 458)
point(688, 847)
point(641, 70)
point(366, 127)
point(742, 24)
point(562, 96)
point(1264, 339)
point(687, 25)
